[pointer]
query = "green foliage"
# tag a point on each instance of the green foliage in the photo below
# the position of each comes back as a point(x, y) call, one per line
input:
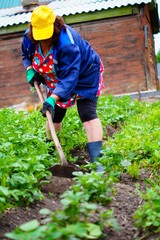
point(72, 133)
point(114, 110)
point(133, 170)
point(111, 110)
point(138, 141)
point(71, 222)
point(52, 231)
point(25, 159)
point(5, 196)
point(158, 57)
point(24, 156)
point(147, 216)
point(94, 185)
point(78, 209)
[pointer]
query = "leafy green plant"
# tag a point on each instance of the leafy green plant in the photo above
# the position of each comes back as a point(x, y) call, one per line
point(94, 185)
point(111, 110)
point(72, 222)
point(138, 141)
point(24, 156)
point(116, 110)
point(33, 230)
point(7, 198)
point(147, 216)
point(25, 160)
point(133, 170)
point(72, 133)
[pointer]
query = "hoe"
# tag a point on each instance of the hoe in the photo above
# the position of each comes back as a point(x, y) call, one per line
point(64, 169)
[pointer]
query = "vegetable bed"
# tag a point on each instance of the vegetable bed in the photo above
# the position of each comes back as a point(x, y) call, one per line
point(122, 203)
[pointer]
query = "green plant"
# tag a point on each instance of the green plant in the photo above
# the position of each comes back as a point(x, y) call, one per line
point(138, 141)
point(147, 216)
point(116, 110)
point(133, 170)
point(25, 160)
point(7, 198)
point(94, 185)
point(72, 133)
point(33, 230)
point(24, 156)
point(72, 222)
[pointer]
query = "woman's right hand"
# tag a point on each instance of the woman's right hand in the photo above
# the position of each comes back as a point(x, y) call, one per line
point(33, 76)
point(29, 75)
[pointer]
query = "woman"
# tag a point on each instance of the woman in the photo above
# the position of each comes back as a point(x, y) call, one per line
point(55, 55)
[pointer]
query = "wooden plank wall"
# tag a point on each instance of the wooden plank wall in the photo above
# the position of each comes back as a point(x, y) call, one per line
point(129, 66)
point(120, 43)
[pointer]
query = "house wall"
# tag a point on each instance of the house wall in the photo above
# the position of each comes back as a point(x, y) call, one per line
point(129, 65)
point(13, 86)
point(149, 53)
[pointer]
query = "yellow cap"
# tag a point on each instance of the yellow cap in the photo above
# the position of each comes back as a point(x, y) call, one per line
point(42, 21)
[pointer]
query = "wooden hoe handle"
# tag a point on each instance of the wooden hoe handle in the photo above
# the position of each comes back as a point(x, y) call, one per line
point(51, 126)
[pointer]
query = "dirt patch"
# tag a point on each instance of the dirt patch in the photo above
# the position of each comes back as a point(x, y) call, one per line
point(124, 204)
point(52, 191)
point(110, 130)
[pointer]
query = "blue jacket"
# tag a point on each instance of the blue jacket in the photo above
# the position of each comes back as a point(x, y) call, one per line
point(77, 66)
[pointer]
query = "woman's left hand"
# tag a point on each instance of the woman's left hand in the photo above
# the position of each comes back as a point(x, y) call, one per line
point(49, 105)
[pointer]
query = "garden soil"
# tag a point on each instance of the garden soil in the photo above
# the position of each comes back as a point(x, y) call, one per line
point(124, 203)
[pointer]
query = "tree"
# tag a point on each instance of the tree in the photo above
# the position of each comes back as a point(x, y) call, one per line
point(158, 57)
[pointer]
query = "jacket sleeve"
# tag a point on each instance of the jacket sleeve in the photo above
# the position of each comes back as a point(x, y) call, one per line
point(69, 65)
point(27, 51)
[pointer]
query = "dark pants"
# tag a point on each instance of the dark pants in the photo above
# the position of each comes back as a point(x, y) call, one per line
point(86, 110)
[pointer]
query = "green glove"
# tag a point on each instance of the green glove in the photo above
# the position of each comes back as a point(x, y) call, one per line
point(33, 76)
point(51, 101)
point(30, 74)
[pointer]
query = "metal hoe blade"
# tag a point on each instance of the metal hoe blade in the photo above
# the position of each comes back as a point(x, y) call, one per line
point(63, 170)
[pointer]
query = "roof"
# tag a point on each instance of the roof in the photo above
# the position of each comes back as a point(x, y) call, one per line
point(12, 3)
point(79, 6)
point(15, 15)
point(9, 3)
